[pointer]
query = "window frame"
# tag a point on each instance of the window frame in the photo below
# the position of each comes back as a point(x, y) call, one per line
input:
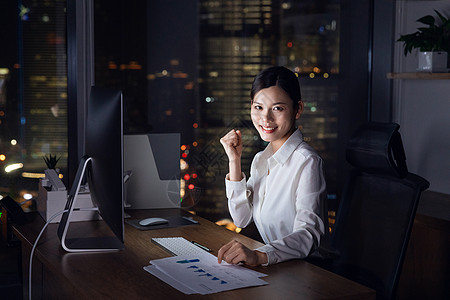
point(80, 76)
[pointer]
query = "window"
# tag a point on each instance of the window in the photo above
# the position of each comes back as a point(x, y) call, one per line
point(33, 94)
point(187, 66)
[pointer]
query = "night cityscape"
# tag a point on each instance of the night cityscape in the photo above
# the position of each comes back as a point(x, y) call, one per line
point(79, 79)
point(194, 81)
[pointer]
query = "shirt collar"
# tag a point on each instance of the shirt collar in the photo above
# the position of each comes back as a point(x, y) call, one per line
point(282, 155)
point(285, 151)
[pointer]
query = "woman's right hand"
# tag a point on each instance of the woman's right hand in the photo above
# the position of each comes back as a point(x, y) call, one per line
point(232, 143)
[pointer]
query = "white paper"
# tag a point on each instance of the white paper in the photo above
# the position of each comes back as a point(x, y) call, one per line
point(169, 280)
point(202, 274)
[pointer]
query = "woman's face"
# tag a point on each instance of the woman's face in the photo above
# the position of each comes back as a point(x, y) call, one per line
point(274, 116)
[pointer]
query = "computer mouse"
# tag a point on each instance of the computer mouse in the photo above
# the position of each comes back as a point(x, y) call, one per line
point(153, 221)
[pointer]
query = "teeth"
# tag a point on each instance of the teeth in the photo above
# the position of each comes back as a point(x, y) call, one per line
point(268, 128)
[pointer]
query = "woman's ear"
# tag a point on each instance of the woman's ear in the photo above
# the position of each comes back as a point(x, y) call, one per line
point(299, 110)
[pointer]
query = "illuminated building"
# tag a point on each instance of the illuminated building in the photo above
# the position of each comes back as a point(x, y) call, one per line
point(237, 40)
point(197, 80)
point(33, 104)
point(44, 75)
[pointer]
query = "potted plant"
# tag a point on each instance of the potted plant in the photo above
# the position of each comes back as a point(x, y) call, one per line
point(51, 161)
point(433, 43)
point(52, 193)
point(52, 173)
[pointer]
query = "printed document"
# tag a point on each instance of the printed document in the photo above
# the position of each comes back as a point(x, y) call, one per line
point(201, 274)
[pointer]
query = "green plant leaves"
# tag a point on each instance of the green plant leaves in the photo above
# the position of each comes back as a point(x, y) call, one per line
point(428, 20)
point(432, 38)
point(51, 161)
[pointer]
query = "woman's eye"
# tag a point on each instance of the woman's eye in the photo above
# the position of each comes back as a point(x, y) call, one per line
point(278, 108)
point(258, 107)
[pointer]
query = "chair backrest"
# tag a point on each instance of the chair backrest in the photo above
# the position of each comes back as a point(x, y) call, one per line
point(377, 209)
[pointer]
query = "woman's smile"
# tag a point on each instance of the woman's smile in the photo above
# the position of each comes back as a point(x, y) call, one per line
point(268, 129)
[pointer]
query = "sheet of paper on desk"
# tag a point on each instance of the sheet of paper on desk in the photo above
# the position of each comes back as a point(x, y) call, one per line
point(203, 275)
point(169, 280)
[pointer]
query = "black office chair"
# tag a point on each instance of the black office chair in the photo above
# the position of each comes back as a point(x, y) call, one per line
point(377, 209)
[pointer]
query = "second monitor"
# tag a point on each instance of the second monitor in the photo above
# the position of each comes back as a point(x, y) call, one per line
point(154, 161)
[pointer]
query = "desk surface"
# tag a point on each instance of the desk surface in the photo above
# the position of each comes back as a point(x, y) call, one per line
point(120, 275)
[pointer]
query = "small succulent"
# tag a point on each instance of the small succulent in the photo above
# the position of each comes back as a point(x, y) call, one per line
point(51, 161)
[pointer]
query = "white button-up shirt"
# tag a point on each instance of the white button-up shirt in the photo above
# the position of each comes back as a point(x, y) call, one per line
point(285, 196)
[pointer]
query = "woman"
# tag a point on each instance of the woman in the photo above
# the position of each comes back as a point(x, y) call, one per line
point(285, 193)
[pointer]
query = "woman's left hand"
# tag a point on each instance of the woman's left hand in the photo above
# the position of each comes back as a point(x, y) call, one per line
point(235, 252)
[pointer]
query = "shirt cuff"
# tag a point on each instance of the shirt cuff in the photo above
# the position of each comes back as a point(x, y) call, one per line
point(264, 249)
point(227, 178)
point(235, 186)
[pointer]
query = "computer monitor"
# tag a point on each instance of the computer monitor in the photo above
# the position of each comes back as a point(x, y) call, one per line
point(102, 167)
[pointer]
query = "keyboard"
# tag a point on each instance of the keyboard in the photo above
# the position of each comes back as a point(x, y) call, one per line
point(179, 246)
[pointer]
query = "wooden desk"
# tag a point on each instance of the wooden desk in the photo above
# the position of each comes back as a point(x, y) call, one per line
point(120, 275)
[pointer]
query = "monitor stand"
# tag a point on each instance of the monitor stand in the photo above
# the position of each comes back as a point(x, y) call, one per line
point(87, 244)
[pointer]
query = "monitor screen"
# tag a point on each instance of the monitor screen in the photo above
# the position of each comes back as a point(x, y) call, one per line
point(102, 167)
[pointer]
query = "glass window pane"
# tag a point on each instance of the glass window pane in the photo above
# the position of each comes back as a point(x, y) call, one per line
point(33, 100)
point(188, 66)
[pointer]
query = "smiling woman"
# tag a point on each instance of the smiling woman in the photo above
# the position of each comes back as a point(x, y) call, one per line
point(285, 194)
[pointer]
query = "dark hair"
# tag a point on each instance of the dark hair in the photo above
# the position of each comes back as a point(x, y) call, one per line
point(281, 77)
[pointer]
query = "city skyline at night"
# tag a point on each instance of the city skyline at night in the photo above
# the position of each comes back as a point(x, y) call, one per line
point(196, 82)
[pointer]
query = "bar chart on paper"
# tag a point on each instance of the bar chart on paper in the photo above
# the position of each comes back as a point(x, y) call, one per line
point(202, 274)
